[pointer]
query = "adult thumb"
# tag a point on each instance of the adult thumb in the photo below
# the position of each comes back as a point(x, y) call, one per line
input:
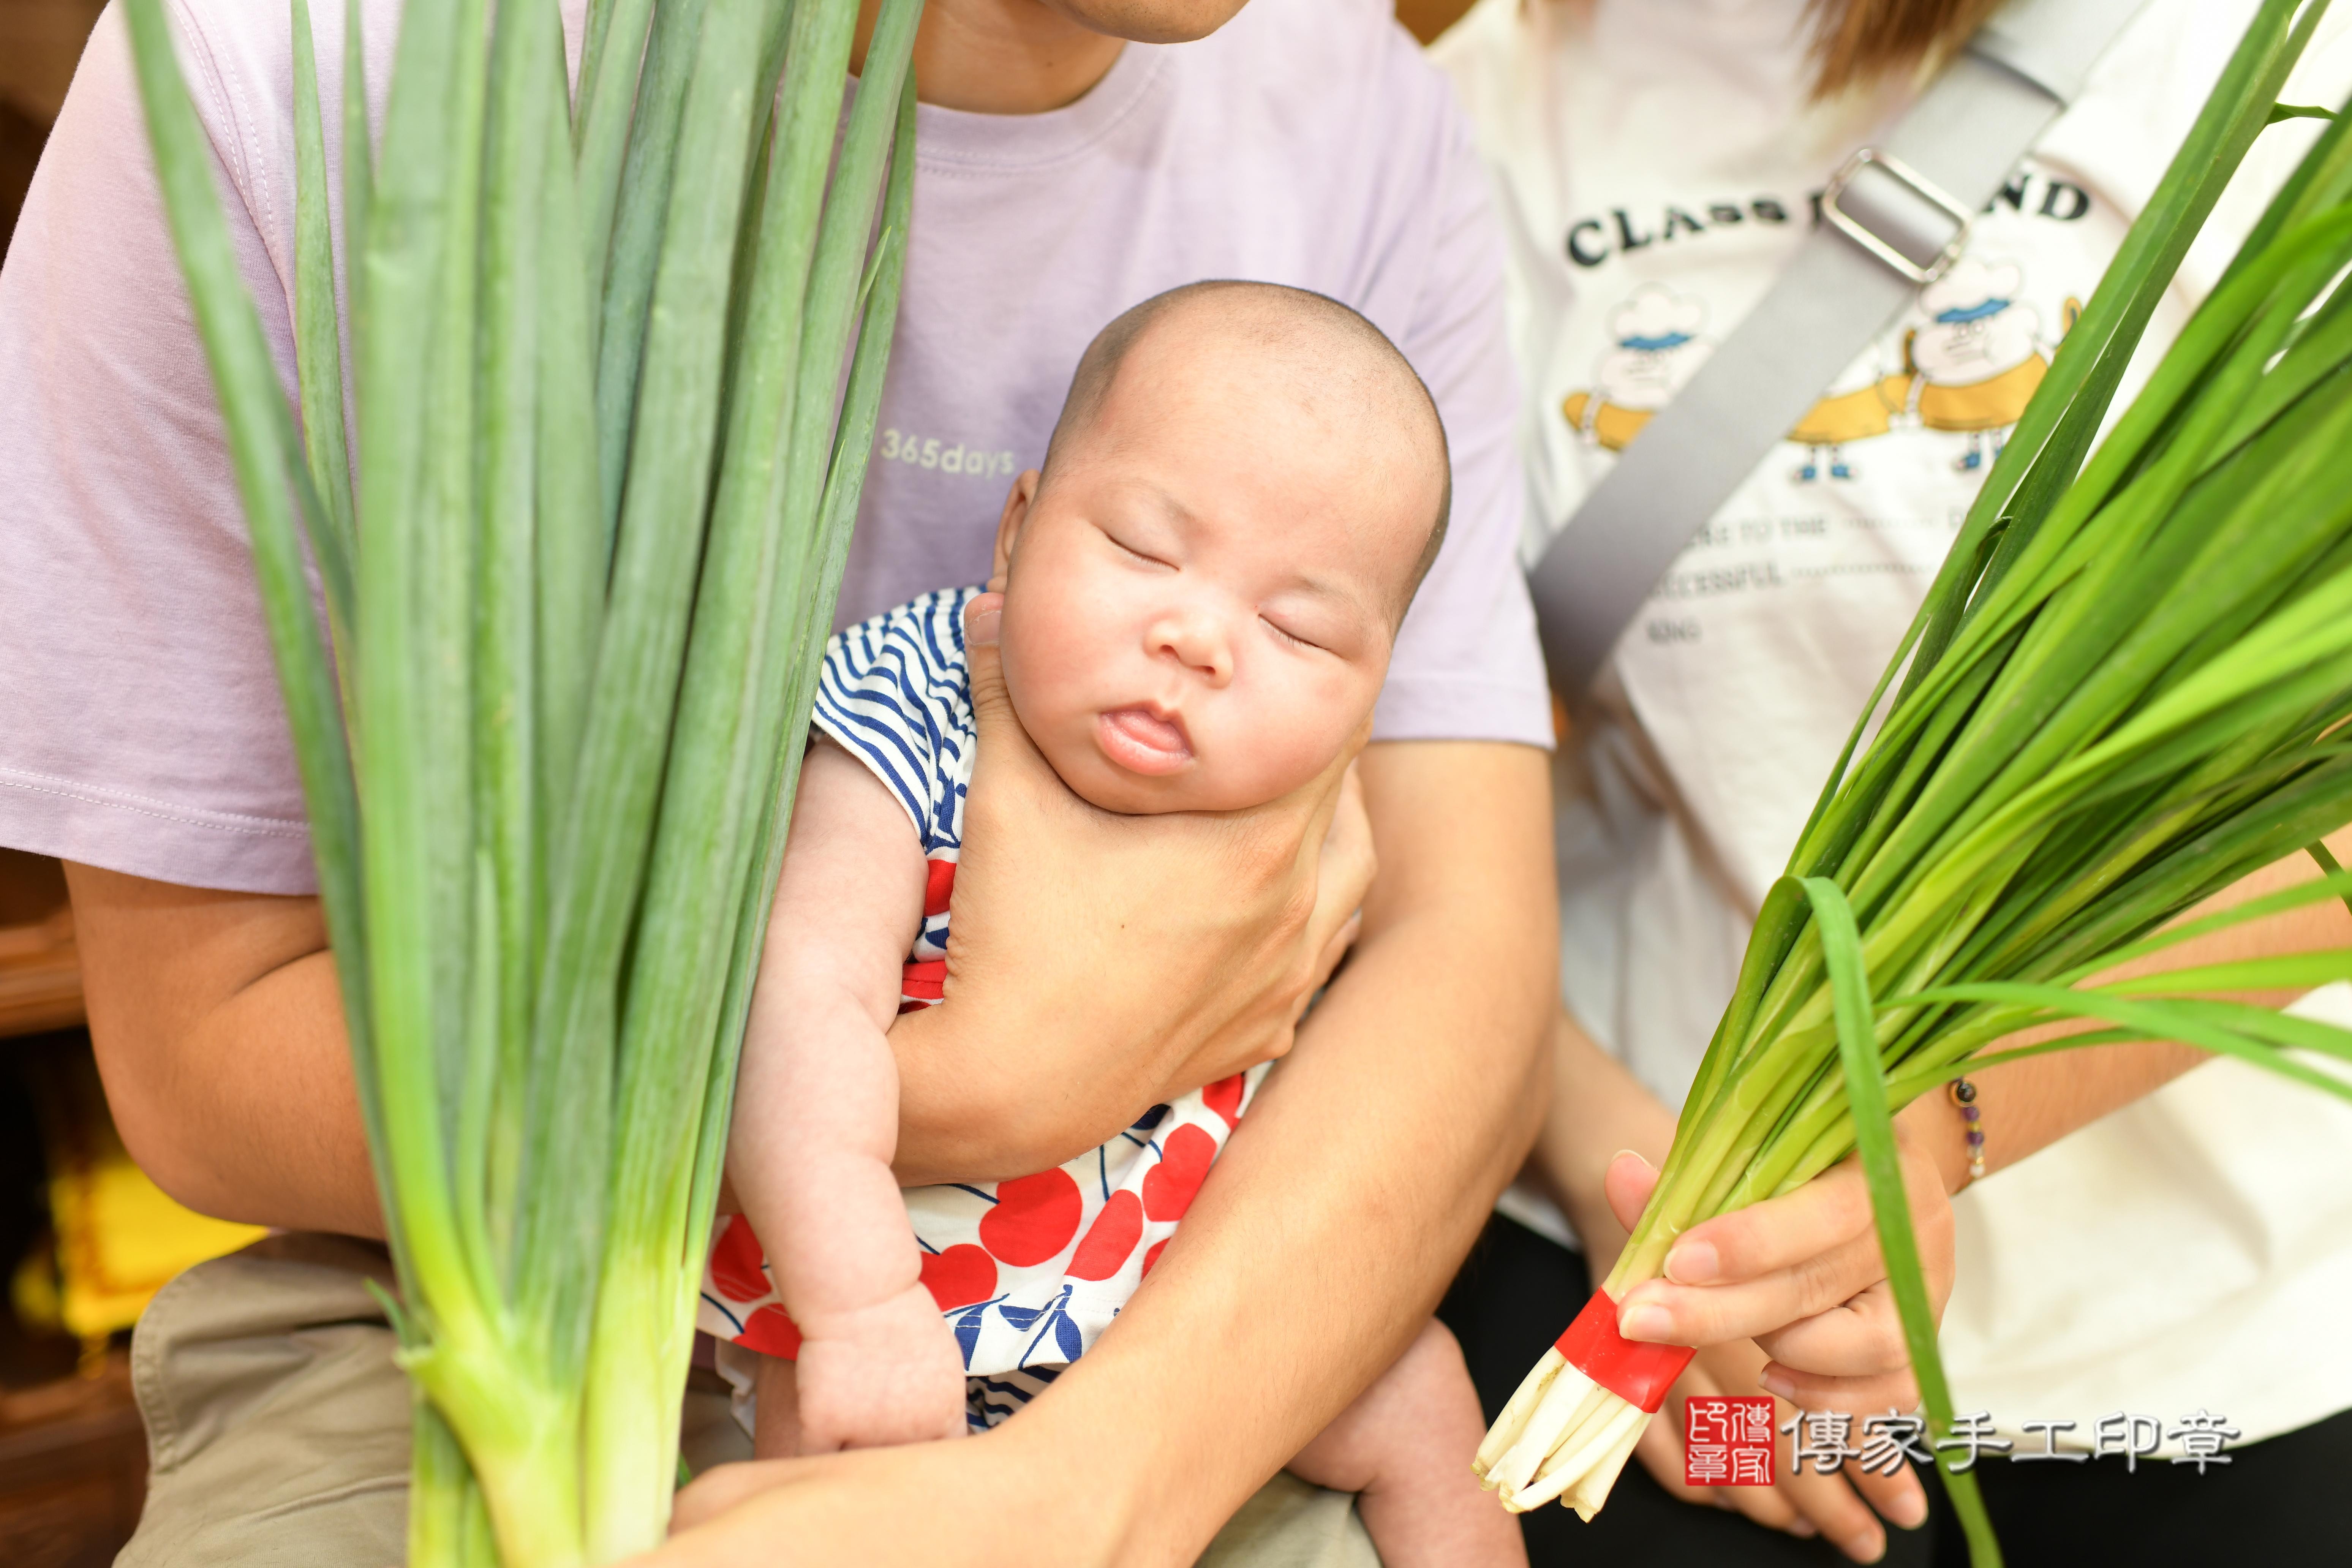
point(1018, 772)
point(992, 705)
point(983, 615)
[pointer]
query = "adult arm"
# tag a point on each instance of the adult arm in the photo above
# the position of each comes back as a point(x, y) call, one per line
point(220, 1032)
point(1197, 938)
point(2027, 1106)
point(218, 1027)
point(1328, 1230)
point(141, 727)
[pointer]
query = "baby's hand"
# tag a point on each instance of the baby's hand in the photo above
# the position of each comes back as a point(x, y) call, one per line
point(888, 1373)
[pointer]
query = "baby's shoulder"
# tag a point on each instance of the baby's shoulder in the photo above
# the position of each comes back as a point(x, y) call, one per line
point(911, 654)
point(896, 693)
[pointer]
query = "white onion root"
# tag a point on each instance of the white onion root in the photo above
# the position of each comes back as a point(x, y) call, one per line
point(1561, 1435)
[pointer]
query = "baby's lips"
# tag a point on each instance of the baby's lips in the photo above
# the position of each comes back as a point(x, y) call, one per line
point(1162, 734)
point(1142, 742)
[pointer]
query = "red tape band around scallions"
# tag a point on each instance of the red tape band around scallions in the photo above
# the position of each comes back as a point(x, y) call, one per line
point(1636, 1372)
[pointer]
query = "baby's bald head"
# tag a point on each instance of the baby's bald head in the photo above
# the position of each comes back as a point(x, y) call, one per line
point(1203, 588)
point(1294, 344)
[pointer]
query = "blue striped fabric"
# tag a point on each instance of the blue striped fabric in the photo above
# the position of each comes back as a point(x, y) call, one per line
point(894, 693)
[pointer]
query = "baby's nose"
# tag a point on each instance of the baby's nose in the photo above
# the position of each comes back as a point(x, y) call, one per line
point(1197, 641)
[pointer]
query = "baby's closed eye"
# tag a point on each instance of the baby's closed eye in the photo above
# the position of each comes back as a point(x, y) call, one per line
point(1139, 550)
point(1286, 636)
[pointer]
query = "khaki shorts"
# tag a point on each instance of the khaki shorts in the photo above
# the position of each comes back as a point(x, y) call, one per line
point(277, 1427)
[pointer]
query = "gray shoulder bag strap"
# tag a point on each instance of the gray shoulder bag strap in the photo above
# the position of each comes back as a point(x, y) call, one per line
point(1895, 216)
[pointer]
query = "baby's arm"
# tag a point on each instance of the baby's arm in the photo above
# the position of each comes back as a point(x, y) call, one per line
point(816, 1124)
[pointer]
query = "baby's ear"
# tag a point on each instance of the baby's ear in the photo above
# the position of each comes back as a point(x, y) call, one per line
point(1017, 503)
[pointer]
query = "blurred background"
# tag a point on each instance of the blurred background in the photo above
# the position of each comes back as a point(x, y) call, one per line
point(40, 41)
point(85, 1239)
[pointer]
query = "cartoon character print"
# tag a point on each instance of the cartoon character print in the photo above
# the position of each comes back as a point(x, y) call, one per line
point(1859, 405)
point(1655, 347)
point(1970, 367)
point(1975, 362)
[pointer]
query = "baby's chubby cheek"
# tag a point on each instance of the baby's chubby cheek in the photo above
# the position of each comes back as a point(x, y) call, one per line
point(1046, 666)
point(1262, 751)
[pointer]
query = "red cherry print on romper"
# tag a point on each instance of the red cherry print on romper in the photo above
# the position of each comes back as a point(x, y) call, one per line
point(960, 1276)
point(772, 1332)
point(922, 982)
point(1158, 1248)
point(1169, 1186)
point(1034, 1218)
point(735, 1262)
point(1224, 1098)
point(1110, 1240)
point(938, 886)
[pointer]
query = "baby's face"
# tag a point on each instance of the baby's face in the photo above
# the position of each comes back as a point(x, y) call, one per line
point(1201, 603)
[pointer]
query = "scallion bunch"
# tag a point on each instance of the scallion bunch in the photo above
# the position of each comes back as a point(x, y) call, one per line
point(2127, 690)
point(615, 361)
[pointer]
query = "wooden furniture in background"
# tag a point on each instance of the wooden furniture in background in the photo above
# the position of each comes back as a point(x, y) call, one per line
point(40, 978)
point(73, 1469)
point(39, 42)
point(1427, 19)
point(73, 1456)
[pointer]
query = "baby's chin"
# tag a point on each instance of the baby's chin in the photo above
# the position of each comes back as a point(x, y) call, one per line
point(1100, 780)
point(1096, 780)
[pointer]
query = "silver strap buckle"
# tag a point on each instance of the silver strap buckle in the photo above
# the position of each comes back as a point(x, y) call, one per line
point(1905, 179)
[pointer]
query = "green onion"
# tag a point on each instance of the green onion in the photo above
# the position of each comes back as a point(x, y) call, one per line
point(577, 584)
point(2125, 692)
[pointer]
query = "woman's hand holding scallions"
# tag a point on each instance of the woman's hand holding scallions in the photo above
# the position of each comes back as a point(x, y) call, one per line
point(1803, 1245)
point(1799, 1274)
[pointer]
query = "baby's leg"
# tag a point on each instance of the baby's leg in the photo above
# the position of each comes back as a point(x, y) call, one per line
point(1405, 1447)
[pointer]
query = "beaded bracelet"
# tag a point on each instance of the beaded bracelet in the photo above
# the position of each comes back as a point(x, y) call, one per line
point(1964, 1095)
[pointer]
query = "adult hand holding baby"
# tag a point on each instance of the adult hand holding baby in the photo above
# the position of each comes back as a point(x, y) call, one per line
point(1196, 938)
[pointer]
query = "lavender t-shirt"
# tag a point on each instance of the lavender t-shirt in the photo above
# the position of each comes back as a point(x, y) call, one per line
point(1306, 142)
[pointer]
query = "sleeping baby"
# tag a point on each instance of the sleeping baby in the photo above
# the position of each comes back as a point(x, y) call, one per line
point(1200, 593)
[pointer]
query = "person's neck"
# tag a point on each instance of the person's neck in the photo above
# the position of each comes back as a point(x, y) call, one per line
point(999, 57)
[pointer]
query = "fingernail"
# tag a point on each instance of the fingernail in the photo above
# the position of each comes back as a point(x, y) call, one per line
point(1910, 1512)
point(1645, 1322)
point(981, 618)
point(1803, 1527)
point(1779, 1383)
point(1866, 1546)
point(1693, 1262)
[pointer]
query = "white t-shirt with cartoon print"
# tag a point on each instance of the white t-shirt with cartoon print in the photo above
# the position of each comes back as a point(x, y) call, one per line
point(1657, 161)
